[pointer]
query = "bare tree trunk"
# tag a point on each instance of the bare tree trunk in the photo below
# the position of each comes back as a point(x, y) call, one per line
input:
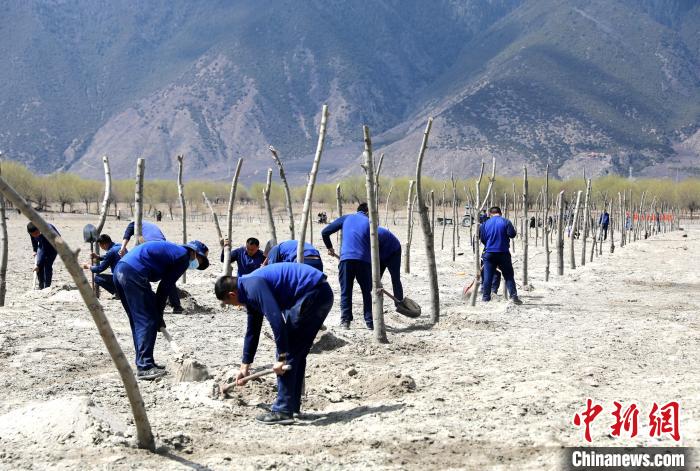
point(526, 227)
point(586, 220)
point(226, 270)
point(560, 233)
point(312, 182)
point(611, 226)
point(144, 435)
point(386, 209)
point(268, 207)
point(339, 205)
point(428, 234)
point(287, 193)
point(545, 224)
point(311, 222)
point(572, 255)
point(376, 180)
point(623, 218)
point(183, 207)
point(432, 213)
point(107, 195)
point(377, 295)
point(215, 216)
point(454, 217)
point(138, 201)
point(444, 215)
point(103, 215)
point(409, 216)
point(4, 248)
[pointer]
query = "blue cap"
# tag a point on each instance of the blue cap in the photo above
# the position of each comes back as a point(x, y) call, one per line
point(200, 249)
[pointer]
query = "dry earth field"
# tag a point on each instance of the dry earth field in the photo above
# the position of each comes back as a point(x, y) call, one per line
point(490, 387)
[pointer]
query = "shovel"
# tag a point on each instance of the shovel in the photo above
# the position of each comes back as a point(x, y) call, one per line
point(406, 306)
point(90, 236)
point(190, 369)
point(221, 390)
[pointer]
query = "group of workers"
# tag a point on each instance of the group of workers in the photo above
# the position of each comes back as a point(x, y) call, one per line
point(294, 298)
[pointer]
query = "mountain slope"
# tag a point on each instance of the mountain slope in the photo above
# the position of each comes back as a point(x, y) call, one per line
point(601, 85)
point(605, 84)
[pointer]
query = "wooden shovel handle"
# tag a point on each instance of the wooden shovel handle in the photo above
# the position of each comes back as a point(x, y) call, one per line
point(256, 375)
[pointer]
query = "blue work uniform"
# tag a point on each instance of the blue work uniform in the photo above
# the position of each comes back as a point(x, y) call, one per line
point(495, 234)
point(287, 252)
point(246, 264)
point(149, 231)
point(295, 299)
point(108, 260)
point(45, 256)
point(390, 258)
point(354, 262)
point(146, 263)
point(152, 233)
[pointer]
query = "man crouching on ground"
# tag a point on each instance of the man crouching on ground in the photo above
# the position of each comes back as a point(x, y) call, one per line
point(295, 299)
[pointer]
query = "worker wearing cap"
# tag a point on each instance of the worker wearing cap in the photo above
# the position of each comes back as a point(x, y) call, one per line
point(390, 258)
point(295, 299)
point(108, 260)
point(44, 254)
point(355, 263)
point(146, 263)
point(248, 258)
point(495, 234)
point(151, 233)
point(287, 252)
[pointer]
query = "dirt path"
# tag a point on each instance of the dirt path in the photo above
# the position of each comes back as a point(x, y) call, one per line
point(493, 386)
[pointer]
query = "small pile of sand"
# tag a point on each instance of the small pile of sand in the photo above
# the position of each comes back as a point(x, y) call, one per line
point(384, 385)
point(71, 420)
point(191, 306)
point(326, 341)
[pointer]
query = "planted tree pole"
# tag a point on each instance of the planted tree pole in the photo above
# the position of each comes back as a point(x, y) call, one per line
point(572, 255)
point(268, 207)
point(376, 179)
point(138, 201)
point(312, 181)
point(428, 234)
point(611, 226)
point(4, 248)
point(409, 216)
point(560, 233)
point(377, 295)
point(545, 224)
point(227, 269)
point(386, 209)
point(432, 213)
point(287, 193)
point(586, 221)
point(444, 215)
point(454, 218)
point(144, 436)
point(106, 198)
point(339, 206)
point(526, 228)
point(183, 207)
point(215, 216)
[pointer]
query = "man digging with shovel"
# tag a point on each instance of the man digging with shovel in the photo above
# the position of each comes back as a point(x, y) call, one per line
point(295, 299)
point(154, 261)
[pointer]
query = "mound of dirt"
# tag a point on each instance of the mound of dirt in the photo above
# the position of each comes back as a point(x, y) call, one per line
point(191, 305)
point(327, 342)
point(384, 385)
point(191, 370)
point(71, 420)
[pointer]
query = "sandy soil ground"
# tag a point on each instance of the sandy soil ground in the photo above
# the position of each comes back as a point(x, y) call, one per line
point(490, 387)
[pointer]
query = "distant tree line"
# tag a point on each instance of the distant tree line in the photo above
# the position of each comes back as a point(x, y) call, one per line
point(67, 192)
